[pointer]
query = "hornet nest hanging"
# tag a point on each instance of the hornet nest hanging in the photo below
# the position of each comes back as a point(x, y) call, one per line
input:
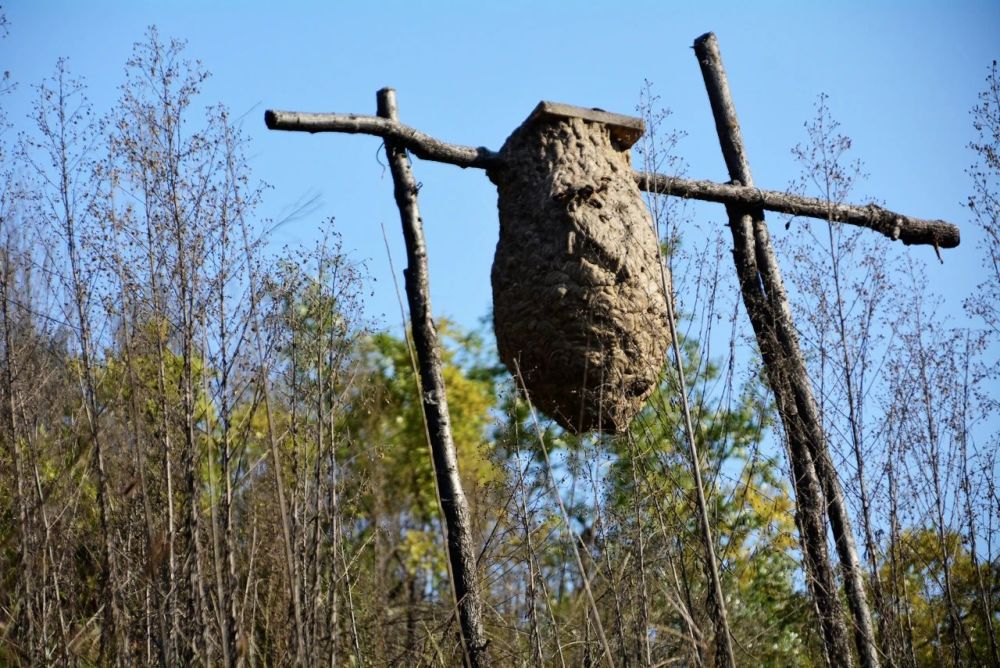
point(578, 301)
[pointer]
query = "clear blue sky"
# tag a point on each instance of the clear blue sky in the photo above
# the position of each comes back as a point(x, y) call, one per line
point(901, 78)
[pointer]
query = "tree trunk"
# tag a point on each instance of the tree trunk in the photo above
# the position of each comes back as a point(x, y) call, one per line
point(767, 305)
point(454, 506)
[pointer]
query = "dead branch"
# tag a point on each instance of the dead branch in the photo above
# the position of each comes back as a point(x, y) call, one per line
point(454, 506)
point(420, 144)
point(770, 315)
point(895, 226)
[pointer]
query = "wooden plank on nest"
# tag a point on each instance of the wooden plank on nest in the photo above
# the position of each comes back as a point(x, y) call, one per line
point(625, 130)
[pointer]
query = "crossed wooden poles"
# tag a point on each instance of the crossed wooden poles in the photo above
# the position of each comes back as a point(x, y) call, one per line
point(817, 486)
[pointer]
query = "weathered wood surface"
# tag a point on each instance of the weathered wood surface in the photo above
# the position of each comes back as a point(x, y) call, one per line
point(625, 130)
point(454, 506)
point(770, 314)
point(895, 226)
point(420, 144)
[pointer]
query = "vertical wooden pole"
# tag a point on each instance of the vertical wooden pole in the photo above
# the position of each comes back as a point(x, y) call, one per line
point(767, 305)
point(454, 506)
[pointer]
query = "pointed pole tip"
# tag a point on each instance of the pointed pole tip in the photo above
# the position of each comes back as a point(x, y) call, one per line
point(709, 36)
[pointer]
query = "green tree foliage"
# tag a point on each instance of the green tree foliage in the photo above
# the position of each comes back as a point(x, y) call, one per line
point(390, 422)
point(631, 501)
point(271, 497)
point(914, 569)
point(751, 510)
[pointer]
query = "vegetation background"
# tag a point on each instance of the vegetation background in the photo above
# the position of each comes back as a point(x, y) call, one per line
point(212, 442)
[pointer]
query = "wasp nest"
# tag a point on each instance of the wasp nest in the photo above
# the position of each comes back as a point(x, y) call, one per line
point(578, 301)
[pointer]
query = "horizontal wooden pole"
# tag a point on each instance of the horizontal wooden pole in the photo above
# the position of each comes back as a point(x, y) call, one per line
point(895, 226)
point(420, 144)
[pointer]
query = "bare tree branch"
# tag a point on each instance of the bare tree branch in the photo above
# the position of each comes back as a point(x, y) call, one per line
point(766, 302)
point(894, 225)
point(421, 145)
point(454, 506)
